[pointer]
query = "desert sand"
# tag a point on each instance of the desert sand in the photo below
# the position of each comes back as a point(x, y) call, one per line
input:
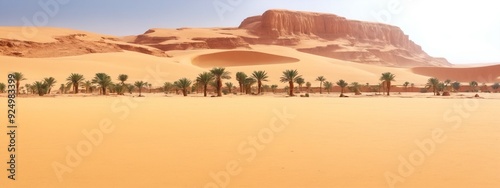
point(177, 142)
point(174, 141)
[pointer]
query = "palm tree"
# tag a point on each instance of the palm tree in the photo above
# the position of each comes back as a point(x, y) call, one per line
point(274, 87)
point(320, 79)
point(249, 82)
point(342, 84)
point(291, 77)
point(183, 84)
point(150, 86)
point(447, 83)
point(496, 86)
point(355, 86)
point(229, 86)
point(456, 86)
point(119, 89)
point(204, 79)
point(130, 88)
point(75, 80)
point(2, 87)
point(412, 85)
point(260, 76)
point(122, 78)
point(50, 81)
point(406, 84)
point(441, 87)
point(41, 87)
point(328, 86)
point(220, 73)
point(473, 85)
point(88, 85)
point(28, 88)
point(140, 85)
point(308, 87)
point(167, 86)
point(388, 78)
point(240, 77)
point(301, 82)
point(18, 77)
point(103, 80)
point(434, 83)
point(62, 89)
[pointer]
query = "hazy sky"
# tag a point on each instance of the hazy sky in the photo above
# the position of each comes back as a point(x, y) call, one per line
point(462, 31)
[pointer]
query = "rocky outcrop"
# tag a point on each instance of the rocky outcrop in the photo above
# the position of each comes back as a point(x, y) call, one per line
point(70, 45)
point(65, 46)
point(274, 25)
point(169, 43)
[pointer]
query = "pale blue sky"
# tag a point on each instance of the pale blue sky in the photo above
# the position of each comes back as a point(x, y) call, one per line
point(462, 31)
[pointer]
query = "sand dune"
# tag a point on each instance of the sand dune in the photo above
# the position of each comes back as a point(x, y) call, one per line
point(484, 74)
point(181, 65)
point(240, 58)
point(45, 34)
point(330, 142)
point(138, 66)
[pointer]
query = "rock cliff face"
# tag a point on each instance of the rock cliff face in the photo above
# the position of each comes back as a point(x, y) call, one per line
point(282, 23)
point(275, 25)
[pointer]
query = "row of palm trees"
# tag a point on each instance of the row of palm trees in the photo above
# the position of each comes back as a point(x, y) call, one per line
point(438, 86)
point(215, 78)
point(100, 81)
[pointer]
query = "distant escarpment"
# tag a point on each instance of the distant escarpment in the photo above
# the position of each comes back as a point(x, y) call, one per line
point(338, 37)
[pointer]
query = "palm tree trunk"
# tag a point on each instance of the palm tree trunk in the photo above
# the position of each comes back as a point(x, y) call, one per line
point(291, 88)
point(320, 87)
point(184, 92)
point(259, 87)
point(103, 90)
point(388, 88)
point(205, 90)
point(17, 88)
point(219, 87)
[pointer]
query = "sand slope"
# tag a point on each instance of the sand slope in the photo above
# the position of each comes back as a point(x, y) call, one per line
point(240, 58)
point(178, 142)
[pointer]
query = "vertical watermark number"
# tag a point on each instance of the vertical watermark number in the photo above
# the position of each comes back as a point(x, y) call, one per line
point(12, 126)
